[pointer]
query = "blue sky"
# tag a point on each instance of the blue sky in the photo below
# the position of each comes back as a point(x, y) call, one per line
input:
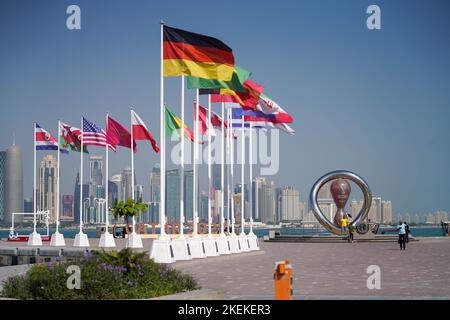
point(374, 102)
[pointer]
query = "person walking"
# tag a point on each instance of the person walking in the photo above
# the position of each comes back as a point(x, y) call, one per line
point(401, 228)
point(344, 223)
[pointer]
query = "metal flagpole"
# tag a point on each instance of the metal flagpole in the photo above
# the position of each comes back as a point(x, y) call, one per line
point(195, 178)
point(182, 162)
point(57, 179)
point(162, 206)
point(34, 178)
point(250, 173)
point(107, 182)
point(228, 170)
point(209, 165)
point(222, 172)
point(242, 174)
point(81, 178)
point(232, 174)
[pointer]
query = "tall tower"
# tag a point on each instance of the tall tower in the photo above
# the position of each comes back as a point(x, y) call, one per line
point(2, 184)
point(173, 195)
point(126, 183)
point(47, 186)
point(13, 183)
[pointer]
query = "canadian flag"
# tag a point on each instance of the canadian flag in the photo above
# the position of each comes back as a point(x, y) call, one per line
point(140, 131)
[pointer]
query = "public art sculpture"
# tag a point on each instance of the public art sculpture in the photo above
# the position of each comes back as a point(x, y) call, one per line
point(340, 191)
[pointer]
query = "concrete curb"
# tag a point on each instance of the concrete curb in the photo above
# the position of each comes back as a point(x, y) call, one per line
point(202, 294)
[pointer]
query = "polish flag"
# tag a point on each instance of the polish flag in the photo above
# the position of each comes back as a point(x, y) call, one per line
point(140, 131)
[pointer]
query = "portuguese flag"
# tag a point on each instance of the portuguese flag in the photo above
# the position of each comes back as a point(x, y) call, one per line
point(240, 75)
point(192, 54)
point(173, 124)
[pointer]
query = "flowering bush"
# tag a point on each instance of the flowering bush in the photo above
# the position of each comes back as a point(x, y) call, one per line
point(104, 275)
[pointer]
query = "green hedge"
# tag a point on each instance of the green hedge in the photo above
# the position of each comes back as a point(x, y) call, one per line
point(104, 275)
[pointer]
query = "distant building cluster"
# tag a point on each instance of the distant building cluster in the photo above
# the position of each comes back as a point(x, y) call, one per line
point(269, 204)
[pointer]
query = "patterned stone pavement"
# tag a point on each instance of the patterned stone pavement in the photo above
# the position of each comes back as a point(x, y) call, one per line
point(332, 270)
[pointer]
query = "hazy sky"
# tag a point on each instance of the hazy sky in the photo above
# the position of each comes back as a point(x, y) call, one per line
point(374, 102)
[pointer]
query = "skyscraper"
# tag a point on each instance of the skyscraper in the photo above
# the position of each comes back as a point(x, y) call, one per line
point(47, 186)
point(155, 193)
point(188, 195)
point(126, 183)
point(2, 184)
point(76, 198)
point(13, 183)
point(203, 207)
point(173, 195)
point(264, 200)
point(115, 189)
point(289, 204)
point(67, 204)
point(95, 175)
point(386, 209)
point(325, 201)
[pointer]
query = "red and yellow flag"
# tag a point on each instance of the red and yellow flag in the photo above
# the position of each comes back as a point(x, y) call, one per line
point(191, 54)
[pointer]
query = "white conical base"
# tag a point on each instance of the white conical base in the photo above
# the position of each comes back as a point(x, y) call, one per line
point(57, 240)
point(253, 241)
point(234, 243)
point(209, 243)
point(107, 240)
point(222, 244)
point(34, 239)
point(134, 241)
point(196, 247)
point(180, 249)
point(243, 243)
point(81, 240)
point(162, 251)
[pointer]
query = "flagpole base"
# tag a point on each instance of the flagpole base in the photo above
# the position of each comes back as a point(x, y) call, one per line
point(134, 241)
point(233, 243)
point(222, 244)
point(196, 247)
point(180, 249)
point(81, 240)
point(243, 242)
point(34, 239)
point(162, 251)
point(107, 240)
point(210, 245)
point(253, 242)
point(57, 240)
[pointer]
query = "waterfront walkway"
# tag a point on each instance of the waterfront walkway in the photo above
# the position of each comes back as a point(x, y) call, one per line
point(325, 270)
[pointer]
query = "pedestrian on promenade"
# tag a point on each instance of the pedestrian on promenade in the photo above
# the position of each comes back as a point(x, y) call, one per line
point(401, 228)
point(351, 230)
point(407, 232)
point(344, 223)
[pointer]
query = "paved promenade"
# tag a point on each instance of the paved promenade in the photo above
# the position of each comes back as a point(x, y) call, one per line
point(332, 270)
point(325, 270)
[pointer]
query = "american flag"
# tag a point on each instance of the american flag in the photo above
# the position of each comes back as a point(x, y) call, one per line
point(95, 136)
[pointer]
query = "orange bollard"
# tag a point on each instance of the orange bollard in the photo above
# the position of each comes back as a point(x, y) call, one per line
point(283, 280)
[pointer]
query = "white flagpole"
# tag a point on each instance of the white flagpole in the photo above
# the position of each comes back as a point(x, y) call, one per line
point(195, 178)
point(57, 179)
point(232, 174)
point(162, 206)
point(250, 186)
point(34, 178)
point(242, 174)
point(222, 172)
point(107, 181)
point(209, 165)
point(81, 178)
point(182, 162)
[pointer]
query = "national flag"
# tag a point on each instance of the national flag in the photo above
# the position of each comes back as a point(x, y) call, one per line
point(117, 135)
point(140, 131)
point(70, 138)
point(216, 120)
point(173, 124)
point(44, 140)
point(93, 135)
point(240, 75)
point(192, 54)
point(270, 107)
point(248, 99)
point(256, 123)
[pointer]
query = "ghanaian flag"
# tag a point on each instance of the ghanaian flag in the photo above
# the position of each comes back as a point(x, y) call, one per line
point(190, 54)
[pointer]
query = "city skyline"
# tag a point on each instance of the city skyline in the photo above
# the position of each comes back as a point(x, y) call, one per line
point(380, 143)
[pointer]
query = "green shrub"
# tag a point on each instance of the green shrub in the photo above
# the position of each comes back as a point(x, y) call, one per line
point(104, 275)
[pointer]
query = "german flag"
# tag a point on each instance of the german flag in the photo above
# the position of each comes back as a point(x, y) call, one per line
point(191, 54)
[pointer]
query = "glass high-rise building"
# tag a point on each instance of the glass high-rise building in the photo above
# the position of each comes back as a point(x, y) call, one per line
point(13, 183)
point(173, 195)
point(2, 184)
point(126, 183)
point(47, 186)
point(188, 195)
